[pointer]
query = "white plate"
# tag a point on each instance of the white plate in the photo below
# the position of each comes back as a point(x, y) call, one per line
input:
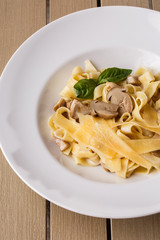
point(30, 84)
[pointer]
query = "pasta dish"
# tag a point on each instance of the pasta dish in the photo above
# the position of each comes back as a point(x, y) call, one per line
point(110, 117)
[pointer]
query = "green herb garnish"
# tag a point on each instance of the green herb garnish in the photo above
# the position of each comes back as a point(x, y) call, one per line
point(84, 88)
point(113, 75)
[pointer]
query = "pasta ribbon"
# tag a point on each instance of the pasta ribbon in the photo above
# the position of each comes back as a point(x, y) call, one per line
point(122, 145)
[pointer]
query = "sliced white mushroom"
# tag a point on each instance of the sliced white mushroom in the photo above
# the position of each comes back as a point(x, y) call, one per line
point(122, 99)
point(133, 80)
point(111, 85)
point(63, 145)
point(77, 107)
point(103, 109)
point(60, 103)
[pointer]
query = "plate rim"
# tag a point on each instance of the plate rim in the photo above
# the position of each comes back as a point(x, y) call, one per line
point(137, 214)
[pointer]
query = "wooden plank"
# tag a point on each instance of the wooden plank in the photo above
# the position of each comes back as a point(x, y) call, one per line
point(59, 8)
point(138, 3)
point(65, 224)
point(22, 212)
point(145, 228)
point(156, 5)
point(18, 20)
point(72, 226)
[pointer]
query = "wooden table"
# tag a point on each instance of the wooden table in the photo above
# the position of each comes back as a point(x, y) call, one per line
point(24, 215)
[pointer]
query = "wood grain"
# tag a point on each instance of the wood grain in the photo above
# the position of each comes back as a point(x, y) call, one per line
point(22, 212)
point(59, 8)
point(146, 228)
point(138, 3)
point(156, 5)
point(66, 225)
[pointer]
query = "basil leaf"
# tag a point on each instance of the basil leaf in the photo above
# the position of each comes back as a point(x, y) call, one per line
point(84, 88)
point(113, 75)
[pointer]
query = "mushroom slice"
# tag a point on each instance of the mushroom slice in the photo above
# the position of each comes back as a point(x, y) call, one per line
point(77, 107)
point(111, 85)
point(63, 145)
point(122, 99)
point(133, 80)
point(60, 103)
point(103, 109)
point(68, 104)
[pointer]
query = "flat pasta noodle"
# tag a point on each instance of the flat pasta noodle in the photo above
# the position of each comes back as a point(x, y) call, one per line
point(151, 89)
point(144, 145)
point(68, 91)
point(146, 78)
point(98, 91)
point(89, 67)
point(136, 123)
point(68, 124)
point(121, 145)
point(83, 154)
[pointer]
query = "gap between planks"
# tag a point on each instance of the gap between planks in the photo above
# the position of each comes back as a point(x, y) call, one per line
point(47, 11)
point(98, 3)
point(150, 4)
point(108, 225)
point(47, 202)
point(47, 220)
point(58, 212)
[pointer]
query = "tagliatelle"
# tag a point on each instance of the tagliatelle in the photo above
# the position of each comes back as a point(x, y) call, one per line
point(123, 144)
